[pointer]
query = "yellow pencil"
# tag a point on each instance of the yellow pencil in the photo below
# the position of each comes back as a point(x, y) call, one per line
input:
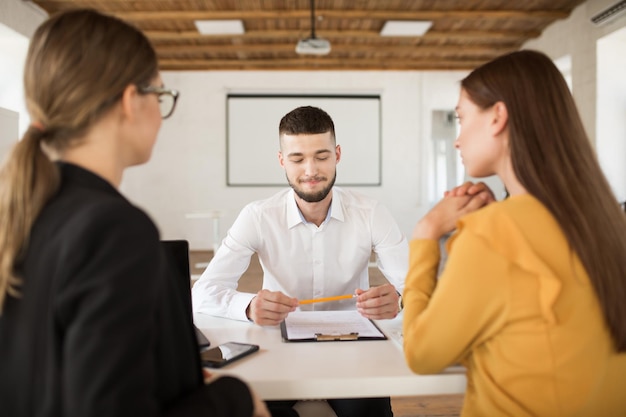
point(324, 299)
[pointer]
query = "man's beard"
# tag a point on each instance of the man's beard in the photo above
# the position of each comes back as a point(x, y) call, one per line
point(316, 196)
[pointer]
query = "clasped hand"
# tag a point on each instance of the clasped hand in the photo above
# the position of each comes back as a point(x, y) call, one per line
point(442, 218)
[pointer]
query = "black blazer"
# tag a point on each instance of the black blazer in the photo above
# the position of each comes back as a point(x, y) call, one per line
point(100, 328)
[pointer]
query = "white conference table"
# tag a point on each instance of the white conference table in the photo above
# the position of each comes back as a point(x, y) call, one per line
point(318, 370)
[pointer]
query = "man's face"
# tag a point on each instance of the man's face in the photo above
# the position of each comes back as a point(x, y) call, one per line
point(310, 163)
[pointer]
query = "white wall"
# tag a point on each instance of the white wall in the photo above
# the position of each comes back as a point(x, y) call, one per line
point(577, 36)
point(8, 131)
point(187, 172)
point(13, 48)
point(611, 110)
point(21, 16)
point(598, 84)
point(18, 21)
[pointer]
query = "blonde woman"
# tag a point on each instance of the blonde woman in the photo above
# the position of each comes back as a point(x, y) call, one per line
point(90, 324)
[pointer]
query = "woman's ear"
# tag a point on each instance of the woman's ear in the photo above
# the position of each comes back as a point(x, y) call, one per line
point(129, 102)
point(500, 118)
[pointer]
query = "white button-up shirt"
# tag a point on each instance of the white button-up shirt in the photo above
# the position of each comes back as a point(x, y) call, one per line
point(300, 259)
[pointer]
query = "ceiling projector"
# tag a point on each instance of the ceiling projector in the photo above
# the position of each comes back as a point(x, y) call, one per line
point(313, 46)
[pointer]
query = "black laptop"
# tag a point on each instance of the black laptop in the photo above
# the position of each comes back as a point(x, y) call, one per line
point(178, 251)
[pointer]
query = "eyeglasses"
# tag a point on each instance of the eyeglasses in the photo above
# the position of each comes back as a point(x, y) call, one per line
point(167, 98)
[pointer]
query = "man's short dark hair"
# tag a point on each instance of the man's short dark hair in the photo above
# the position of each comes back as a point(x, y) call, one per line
point(306, 120)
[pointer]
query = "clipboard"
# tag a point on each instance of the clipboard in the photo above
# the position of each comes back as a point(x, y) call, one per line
point(329, 326)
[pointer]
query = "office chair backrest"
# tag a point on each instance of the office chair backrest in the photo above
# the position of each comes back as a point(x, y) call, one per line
point(178, 253)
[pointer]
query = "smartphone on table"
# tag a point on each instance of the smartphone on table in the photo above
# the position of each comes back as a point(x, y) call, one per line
point(226, 353)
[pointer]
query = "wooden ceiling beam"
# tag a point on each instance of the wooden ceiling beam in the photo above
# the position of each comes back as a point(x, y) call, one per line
point(148, 13)
point(313, 62)
point(500, 35)
point(273, 32)
point(310, 64)
point(175, 50)
point(137, 16)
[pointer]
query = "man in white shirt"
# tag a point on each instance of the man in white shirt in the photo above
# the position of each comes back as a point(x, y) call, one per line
point(313, 240)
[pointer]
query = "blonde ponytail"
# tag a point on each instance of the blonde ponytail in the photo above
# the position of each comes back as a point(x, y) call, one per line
point(81, 83)
point(27, 181)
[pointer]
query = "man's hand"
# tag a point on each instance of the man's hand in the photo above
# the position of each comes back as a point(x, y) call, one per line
point(378, 302)
point(208, 376)
point(269, 308)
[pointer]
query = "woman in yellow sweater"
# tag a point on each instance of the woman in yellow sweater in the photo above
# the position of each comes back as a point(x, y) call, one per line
point(533, 296)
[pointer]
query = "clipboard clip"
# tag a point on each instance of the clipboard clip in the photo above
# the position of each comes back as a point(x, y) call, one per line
point(319, 337)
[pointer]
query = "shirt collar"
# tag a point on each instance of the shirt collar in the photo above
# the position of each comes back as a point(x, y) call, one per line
point(295, 217)
point(75, 174)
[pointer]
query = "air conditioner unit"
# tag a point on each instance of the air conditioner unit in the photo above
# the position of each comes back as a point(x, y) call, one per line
point(609, 13)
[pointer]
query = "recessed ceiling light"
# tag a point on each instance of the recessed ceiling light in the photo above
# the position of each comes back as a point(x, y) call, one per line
point(220, 27)
point(405, 27)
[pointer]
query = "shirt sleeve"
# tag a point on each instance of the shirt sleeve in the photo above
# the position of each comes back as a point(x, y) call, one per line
point(390, 246)
point(215, 293)
point(445, 318)
point(225, 397)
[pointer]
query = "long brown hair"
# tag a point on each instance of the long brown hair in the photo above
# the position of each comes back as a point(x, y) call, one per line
point(553, 159)
point(78, 65)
